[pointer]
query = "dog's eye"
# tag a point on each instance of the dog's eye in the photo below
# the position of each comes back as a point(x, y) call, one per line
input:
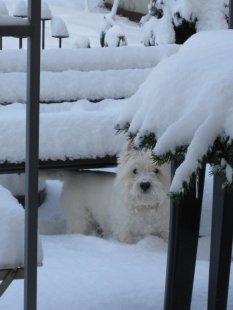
point(135, 171)
point(156, 171)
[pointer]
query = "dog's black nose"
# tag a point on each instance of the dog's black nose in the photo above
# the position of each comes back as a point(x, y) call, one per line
point(145, 186)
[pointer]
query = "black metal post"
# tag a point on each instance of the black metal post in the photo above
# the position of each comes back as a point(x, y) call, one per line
point(32, 137)
point(43, 34)
point(60, 42)
point(221, 246)
point(0, 43)
point(231, 14)
point(20, 42)
point(182, 246)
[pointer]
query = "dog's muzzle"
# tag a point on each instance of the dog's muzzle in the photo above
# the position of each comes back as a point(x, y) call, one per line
point(145, 186)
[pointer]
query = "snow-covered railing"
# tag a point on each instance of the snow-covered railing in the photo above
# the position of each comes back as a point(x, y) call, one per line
point(74, 85)
point(57, 60)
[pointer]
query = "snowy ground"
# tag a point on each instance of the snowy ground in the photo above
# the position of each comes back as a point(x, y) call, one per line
point(86, 272)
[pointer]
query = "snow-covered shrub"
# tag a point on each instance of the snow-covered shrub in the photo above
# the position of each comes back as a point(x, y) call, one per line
point(170, 21)
point(82, 42)
point(115, 37)
point(112, 34)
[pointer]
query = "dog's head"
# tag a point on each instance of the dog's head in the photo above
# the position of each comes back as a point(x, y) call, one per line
point(144, 184)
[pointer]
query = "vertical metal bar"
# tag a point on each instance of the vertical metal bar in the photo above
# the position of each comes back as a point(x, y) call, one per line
point(32, 137)
point(20, 42)
point(221, 246)
point(43, 34)
point(231, 14)
point(0, 43)
point(60, 42)
point(182, 246)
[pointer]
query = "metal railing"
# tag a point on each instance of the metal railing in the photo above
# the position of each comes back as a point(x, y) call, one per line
point(31, 30)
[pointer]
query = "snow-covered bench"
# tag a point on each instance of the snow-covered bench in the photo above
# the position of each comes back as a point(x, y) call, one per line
point(73, 74)
point(12, 240)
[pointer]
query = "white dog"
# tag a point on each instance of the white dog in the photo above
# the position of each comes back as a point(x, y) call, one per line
point(132, 204)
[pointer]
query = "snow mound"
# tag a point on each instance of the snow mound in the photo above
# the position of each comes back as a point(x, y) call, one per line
point(12, 232)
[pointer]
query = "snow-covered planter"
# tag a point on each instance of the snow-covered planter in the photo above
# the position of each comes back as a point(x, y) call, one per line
point(185, 107)
point(171, 21)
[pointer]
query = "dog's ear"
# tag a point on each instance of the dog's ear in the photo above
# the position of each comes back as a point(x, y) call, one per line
point(129, 146)
point(126, 152)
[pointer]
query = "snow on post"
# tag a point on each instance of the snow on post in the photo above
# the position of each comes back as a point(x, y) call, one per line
point(86, 5)
point(114, 9)
point(59, 29)
point(3, 11)
point(20, 10)
point(45, 15)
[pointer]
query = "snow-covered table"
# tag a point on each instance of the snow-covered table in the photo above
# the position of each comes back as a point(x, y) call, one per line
point(12, 240)
point(78, 135)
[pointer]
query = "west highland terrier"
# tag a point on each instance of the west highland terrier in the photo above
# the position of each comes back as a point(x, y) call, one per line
point(127, 206)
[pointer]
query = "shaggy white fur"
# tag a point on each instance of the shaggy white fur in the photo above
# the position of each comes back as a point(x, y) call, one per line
point(128, 206)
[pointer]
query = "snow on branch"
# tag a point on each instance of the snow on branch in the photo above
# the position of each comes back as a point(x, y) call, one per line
point(186, 103)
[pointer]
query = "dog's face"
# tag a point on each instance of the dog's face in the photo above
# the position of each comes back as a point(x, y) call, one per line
point(146, 185)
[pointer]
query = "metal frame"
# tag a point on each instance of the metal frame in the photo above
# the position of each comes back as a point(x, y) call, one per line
point(32, 31)
point(77, 164)
point(7, 276)
point(182, 245)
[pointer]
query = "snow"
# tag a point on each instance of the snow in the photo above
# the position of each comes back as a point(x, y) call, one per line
point(58, 28)
point(46, 13)
point(12, 236)
point(86, 272)
point(15, 183)
point(115, 37)
point(20, 9)
point(3, 9)
point(130, 57)
point(206, 15)
point(115, 275)
point(68, 121)
point(93, 85)
point(10, 20)
point(82, 42)
point(198, 100)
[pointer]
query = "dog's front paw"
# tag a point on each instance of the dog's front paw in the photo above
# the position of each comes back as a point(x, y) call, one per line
point(125, 238)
